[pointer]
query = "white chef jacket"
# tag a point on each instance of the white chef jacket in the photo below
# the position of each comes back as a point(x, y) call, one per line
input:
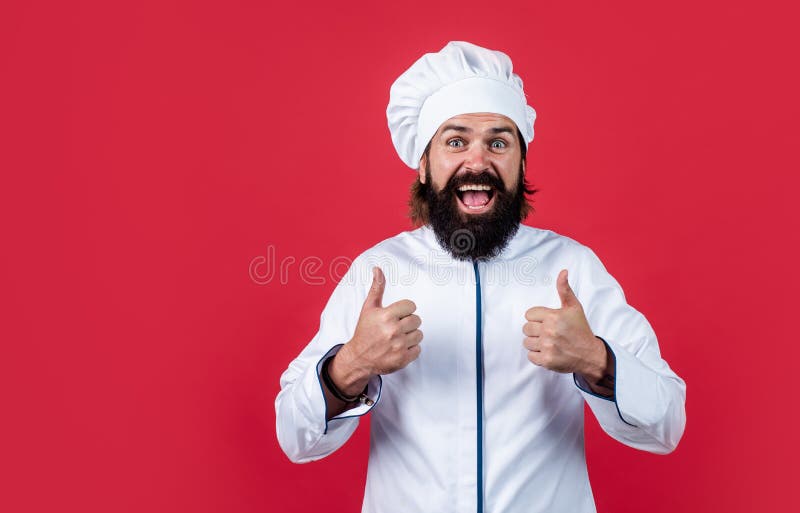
point(472, 425)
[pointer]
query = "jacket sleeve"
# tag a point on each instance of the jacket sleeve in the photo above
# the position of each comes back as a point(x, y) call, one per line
point(647, 410)
point(300, 407)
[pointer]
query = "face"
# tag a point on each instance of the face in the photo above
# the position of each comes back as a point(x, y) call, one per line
point(478, 152)
point(471, 187)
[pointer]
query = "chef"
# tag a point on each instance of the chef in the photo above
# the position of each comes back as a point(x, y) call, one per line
point(473, 341)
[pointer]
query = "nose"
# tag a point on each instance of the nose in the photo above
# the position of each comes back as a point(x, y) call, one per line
point(477, 158)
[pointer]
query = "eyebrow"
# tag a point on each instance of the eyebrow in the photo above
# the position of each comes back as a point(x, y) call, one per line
point(463, 129)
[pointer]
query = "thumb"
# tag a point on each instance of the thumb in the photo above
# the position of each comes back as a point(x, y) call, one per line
point(565, 293)
point(375, 294)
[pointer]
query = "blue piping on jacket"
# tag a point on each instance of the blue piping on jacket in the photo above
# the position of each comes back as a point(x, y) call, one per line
point(479, 384)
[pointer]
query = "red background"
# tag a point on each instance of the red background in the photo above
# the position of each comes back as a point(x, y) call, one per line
point(151, 151)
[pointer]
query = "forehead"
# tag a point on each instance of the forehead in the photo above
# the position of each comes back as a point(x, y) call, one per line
point(477, 122)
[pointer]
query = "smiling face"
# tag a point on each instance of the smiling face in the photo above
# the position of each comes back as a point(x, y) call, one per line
point(471, 187)
point(478, 154)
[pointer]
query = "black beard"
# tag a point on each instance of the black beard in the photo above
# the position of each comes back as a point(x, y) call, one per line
point(476, 236)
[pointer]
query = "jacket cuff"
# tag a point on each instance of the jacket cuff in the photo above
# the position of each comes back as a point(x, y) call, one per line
point(374, 386)
point(599, 402)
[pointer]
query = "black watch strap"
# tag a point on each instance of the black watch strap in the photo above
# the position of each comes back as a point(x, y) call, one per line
point(326, 378)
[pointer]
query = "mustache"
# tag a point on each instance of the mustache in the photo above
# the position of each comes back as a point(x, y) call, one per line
point(483, 178)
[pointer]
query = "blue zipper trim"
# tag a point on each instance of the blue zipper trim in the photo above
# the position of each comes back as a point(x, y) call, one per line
point(479, 383)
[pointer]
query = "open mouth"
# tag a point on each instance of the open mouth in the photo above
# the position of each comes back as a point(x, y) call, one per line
point(475, 198)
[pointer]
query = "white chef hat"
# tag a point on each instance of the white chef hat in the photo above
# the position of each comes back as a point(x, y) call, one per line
point(461, 78)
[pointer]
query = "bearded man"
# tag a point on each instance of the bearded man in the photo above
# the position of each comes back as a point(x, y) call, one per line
point(489, 417)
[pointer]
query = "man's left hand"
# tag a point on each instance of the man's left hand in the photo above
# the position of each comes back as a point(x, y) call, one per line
point(560, 339)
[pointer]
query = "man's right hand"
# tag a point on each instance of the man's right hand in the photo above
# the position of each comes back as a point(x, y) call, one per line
point(386, 339)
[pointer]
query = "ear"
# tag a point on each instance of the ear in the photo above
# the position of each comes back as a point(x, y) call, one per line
point(421, 170)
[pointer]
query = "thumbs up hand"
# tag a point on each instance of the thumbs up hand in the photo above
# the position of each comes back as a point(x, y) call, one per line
point(386, 339)
point(560, 339)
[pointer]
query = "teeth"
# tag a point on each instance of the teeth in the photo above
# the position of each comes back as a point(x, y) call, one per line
point(472, 187)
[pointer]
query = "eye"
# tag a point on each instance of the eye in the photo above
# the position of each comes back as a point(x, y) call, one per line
point(498, 144)
point(455, 143)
